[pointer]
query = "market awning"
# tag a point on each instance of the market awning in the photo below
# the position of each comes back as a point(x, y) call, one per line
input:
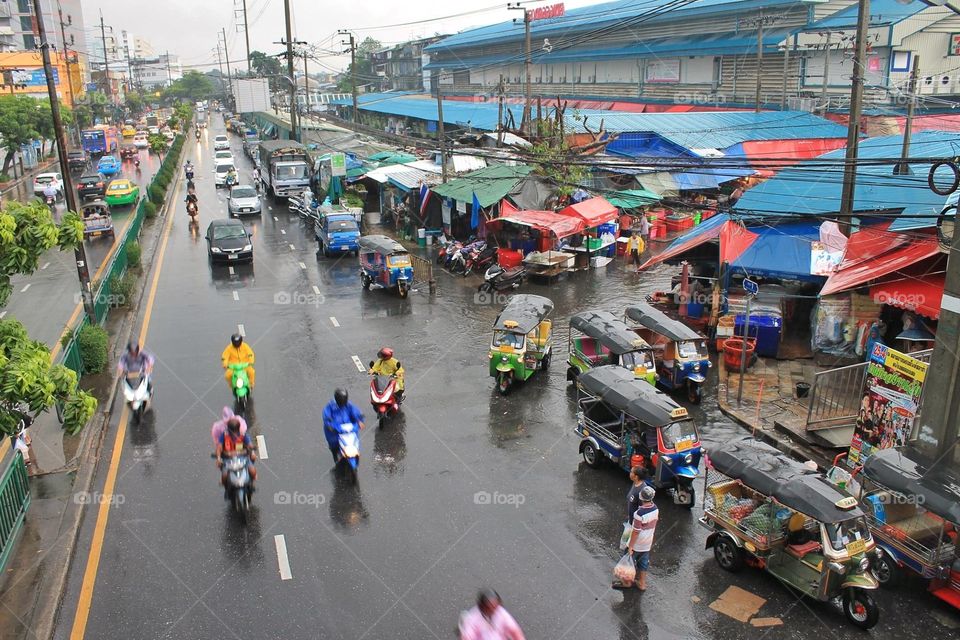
point(922, 295)
point(632, 198)
point(783, 251)
point(704, 232)
point(405, 176)
point(545, 221)
point(385, 158)
point(592, 212)
point(490, 184)
point(863, 262)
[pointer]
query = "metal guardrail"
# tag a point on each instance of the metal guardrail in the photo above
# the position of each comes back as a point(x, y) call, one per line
point(423, 273)
point(835, 395)
point(14, 500)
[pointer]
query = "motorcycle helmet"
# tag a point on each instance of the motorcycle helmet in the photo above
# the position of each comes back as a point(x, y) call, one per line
point(236, 340)
point(133, 347)
point(385, 353)
point(233, 425)
point(341, 396)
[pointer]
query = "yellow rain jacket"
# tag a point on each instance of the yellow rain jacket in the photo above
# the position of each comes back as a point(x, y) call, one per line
point(388, 368)
point(239, 355)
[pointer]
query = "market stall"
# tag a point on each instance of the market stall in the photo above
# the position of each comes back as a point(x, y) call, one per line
point(536, 235)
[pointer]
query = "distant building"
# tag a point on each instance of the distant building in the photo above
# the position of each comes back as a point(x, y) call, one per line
point(21, 73)
point(400, 68)
point(158, 72)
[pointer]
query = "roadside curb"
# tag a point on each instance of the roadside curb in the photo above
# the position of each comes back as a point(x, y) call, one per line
point(52, 587)
point(794, 450)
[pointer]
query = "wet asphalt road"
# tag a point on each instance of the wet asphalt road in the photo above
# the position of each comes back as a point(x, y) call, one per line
point(401, 554)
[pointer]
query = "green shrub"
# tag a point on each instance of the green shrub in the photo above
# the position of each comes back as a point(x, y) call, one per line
point(156, 194)
point(149, 209)
point(92, 342)
point(163, 180)
point(5, 177)
point(121, 289)
point(133, 253)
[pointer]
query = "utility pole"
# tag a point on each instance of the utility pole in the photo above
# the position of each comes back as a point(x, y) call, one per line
point(169, 73)
point(226, 54)
point(759, 62)
point(246, 33)
point(83, 271)
point(786, 73)
point(66, 62)
point(856, 107)
point(293, 85)
point(441, 136)
point(220, 64)
point(527, 64)
point(903, 167)
point(500, 112)
point(306, 80)
point(106, 59)
point(353, 72)
point(826, 73)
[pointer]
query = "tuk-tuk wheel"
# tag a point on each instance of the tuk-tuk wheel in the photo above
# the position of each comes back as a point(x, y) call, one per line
point(572, 374)
point(545, 362)
point(885, 570)
point(691, 494)
point(727, 554)
point(504, 383)
point(403, 290)
point(590, 455)
point(365, 281)
point(694, 393)
point(860, 608)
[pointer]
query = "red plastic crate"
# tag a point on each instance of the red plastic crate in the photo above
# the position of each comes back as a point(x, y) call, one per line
point(507, 258)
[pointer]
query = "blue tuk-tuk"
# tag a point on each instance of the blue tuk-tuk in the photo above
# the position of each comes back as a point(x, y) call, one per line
point(625, 419)
point(384, 263)
point(682, 356)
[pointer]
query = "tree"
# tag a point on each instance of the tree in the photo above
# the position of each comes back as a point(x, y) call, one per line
point(21, 123)
point(192, 86)
point(135, 102)
point(83, 115)
point(28, 379)
point(553, 158)
point(365, 74)
point(268, 67)
point(158, 144)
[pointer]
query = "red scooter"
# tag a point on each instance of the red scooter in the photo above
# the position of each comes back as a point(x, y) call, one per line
point(383, 397)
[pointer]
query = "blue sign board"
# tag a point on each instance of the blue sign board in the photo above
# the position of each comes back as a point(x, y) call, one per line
point(750, 286)
point(33, 77)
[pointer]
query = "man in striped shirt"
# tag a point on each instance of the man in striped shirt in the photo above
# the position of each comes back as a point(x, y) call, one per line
point(641, 540)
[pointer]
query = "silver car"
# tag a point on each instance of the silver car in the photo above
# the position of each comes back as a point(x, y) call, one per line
point(243, 200)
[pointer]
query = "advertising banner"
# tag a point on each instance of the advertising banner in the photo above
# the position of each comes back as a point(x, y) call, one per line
point(891, 398)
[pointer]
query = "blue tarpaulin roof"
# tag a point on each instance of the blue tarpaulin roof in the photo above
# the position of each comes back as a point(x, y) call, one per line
point(478, 115)
point(811, 188)
point(779, 252)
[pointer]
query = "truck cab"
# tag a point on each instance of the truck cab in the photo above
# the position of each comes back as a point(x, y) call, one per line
point(337, 233)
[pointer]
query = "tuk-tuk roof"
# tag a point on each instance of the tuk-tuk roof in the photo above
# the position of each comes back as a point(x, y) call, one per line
point(773, 473)
point(907, 471)
point(609, 330)
point(526, 311)
point(95, 204)
point(622, 390)
point(659, 322)
point(381, 244)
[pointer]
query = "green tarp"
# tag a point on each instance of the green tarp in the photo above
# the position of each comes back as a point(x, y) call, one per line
point(385, 158)
point(632, 199)
point(490, 184)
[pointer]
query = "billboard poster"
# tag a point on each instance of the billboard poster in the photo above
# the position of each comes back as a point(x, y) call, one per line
point(338, 164)
point(891, 398)
point(33, 77)
point(663, 71)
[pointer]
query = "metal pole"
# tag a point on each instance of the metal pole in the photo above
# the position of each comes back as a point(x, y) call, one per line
point(293, 85)
point(903, 167)
point(306, 81)
point(759, 62)
point(528, 62)
point(246, 33)
point(169, 73)
point(786, 73)
point(500, 112)
point(79, 253)
point(743, 352)
point(856, 106)
point(441, 137)
point(826, 74)
point(106, 58)
point(220, 64)
point(353, 78)
point(226, 54)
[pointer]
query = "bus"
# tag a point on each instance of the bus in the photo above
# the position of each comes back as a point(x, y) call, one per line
point(99, 140)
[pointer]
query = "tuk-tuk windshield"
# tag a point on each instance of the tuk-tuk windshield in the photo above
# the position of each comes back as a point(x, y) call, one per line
point(634, 359)
point(843, 533)
point(507, 339)
point(683, 431)
point(692, 349)
point(398, 261)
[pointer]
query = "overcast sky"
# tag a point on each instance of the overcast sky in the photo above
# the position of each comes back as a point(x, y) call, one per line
point(190, 28)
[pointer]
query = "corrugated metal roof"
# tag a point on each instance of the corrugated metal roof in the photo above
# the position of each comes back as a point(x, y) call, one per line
point(811, 189)
point(608, 14)
point(712, 129)
point(490, 184)
point(478, 115)
point(882, 13)
point(406, 173)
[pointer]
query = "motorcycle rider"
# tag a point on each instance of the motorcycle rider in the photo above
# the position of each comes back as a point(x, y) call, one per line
point(191, 200)
point(50, 192)
point(238, 352)
point(232, 443)
point(137, 360)
point(188, 168)
point(338, 412)
point(232, 177)
point(220, 426)
point(387, 365)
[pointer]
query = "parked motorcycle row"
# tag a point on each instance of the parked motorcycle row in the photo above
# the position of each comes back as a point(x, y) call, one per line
point(464, 259)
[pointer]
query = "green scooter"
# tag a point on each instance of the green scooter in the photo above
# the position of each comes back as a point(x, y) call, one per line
point(240, 384)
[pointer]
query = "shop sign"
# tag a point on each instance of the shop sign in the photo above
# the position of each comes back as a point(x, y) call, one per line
point(891, 398)
point(550, 11)
point(954, 47)
point(338, 164)
point(823, 261)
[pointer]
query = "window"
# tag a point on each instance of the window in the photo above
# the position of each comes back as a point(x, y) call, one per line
point(29, 41)
point(24, 6)
point(26, 23)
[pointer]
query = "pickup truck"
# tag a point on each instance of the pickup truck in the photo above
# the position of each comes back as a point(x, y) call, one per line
point(284, 167)
point(77, 160)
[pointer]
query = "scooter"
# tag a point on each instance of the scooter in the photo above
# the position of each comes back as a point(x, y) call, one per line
point(238, 484)
point(481, 260)
point(349, 450)
point(383, 397)
point(188, 172)
point(497, 278)
point(240, 384)
point(193, 211)
point(136, 391)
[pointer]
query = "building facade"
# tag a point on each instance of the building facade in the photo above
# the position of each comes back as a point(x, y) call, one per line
point(400, 68)
point(21, 73)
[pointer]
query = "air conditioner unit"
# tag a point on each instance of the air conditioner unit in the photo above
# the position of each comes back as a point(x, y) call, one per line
point(801, 104)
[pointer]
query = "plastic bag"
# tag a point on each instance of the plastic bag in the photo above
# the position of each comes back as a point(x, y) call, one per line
point(625, 571)
point(625, 536)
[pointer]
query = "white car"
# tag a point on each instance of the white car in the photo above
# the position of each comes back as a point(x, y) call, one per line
point(220, 173)
point(222, 156)
point(140, 141)
point(41, 181)
point(221, 142)
point(153, 130)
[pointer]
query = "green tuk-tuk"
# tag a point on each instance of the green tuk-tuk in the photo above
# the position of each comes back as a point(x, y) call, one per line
point(521, 341)
point(597, 338)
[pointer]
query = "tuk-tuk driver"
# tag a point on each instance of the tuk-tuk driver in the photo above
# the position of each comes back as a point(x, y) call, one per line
point(387, 365)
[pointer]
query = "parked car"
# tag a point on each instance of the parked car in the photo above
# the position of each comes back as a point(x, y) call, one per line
point(243, 199)
point(91, 185)
point(221, 142)
point(122, 191)
point(141, 141)
point(77, 160)
point(41, 181)
point(108, 165)
point(220, 173)
point(229, 241)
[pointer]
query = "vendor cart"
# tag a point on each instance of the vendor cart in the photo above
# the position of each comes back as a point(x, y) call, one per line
point(97, 220)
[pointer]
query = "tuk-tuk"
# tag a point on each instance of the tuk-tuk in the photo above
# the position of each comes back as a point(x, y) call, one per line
point(767, 510)
point(625, 419)
point(97, 220)
point(913, 509)
point(597, 338)
point(521, 341)
point(385, 263)
point(682, 356)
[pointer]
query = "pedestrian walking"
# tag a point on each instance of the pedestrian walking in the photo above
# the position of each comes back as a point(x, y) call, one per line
point(635, 247)
point(644, 228)
point(489, 620)
point(641, 540)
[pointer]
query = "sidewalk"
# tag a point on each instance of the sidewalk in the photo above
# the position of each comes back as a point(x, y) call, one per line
point(769, 405)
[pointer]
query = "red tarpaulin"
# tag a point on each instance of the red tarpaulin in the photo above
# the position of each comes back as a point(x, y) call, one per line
point(592, 212)
point(545, 221)
point(922, 295)
point(869, 265)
